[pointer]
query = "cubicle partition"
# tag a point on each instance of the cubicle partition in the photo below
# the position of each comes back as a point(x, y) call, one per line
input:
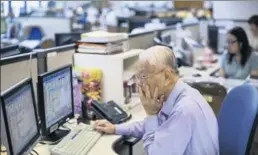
point(194, 29)
point(59, 56)
point(16, 68)
point(141, 40)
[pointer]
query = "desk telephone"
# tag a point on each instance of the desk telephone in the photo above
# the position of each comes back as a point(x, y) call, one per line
point(109, 111)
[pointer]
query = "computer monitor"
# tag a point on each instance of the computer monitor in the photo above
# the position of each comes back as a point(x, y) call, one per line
point(66, 38)
point(3, 26)
point(20, 117)
point(55, 98)
point(213, 32)
point(166, 38)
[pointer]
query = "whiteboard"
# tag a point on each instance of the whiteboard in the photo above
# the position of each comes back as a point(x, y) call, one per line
point(234, 10)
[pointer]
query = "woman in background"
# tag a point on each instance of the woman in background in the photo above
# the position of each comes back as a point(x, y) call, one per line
point(240, 61)
point(253, 23)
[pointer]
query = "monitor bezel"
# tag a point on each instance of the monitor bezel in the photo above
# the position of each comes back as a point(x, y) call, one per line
point(5, 95)
point(46, 131)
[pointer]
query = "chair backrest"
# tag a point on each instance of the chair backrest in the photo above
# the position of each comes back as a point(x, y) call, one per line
point(214, 93)
point(35, 33)
point(237, 120)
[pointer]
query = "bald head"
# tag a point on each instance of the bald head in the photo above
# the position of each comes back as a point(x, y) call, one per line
point(159, 55)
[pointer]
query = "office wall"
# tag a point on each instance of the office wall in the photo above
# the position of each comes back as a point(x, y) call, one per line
point(234, 10)
point(50, 25)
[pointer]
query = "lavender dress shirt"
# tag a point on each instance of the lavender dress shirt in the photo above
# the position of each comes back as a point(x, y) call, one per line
point(186, 125)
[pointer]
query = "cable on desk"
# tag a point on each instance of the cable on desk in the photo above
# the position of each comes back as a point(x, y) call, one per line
point(49, 143)
point(35, 152)
point(65, 127)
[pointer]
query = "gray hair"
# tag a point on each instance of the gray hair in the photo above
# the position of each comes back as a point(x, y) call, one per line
point(160, 55)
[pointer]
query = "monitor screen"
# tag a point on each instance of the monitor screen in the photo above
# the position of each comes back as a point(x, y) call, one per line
point(21, 118)
point(57, 91)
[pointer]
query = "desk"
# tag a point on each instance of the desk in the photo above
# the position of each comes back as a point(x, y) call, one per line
point(189, 71)
point(105, 143)
point(211, 68)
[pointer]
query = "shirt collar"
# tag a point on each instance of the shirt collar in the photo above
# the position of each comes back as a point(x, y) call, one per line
point(173, 96)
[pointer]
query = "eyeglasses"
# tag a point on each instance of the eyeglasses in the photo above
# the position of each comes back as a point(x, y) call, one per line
point(139, 77)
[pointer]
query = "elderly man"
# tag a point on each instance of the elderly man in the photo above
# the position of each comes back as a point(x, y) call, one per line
point(179, 121)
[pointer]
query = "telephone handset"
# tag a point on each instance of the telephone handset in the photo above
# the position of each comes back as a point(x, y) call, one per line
point(110, 111)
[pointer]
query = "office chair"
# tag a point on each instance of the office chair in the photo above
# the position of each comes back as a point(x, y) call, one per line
point(33, 32)
point(237, 120)
point(214, 94)
point(36, 33)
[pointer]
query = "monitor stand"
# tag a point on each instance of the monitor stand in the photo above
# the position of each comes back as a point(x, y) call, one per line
point(56, 136)
point(83, 120)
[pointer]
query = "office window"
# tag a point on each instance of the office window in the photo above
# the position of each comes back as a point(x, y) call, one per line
point(17, 7)
point(4, 8)
point(32, 5)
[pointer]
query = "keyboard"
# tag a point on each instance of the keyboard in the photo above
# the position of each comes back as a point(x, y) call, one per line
point(78, 142)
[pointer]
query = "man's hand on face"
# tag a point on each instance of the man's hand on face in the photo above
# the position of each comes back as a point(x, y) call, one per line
point(151, 103)
point(104, 126)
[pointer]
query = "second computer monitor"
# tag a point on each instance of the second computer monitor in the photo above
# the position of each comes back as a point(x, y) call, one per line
point(67, 38)
point(20, 118)
point(55, 98)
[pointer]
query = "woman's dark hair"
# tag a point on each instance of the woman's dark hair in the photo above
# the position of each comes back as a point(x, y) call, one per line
point(245, 49)
point(253, 20)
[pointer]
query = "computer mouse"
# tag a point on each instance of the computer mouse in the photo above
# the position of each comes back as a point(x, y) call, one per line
point(197, 75)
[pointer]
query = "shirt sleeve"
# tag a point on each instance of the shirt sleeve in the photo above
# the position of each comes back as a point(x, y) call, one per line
point(135, 129)
point(171, 138)
point(254, 62)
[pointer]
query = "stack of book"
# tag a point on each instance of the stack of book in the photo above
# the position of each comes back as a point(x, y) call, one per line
point(102, 42)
